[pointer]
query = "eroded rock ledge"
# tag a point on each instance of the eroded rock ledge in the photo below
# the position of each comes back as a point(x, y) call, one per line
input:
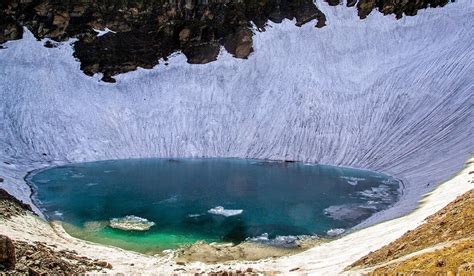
point(146, 31)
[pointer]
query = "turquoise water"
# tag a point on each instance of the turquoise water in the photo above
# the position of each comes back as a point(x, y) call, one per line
point(188, 200)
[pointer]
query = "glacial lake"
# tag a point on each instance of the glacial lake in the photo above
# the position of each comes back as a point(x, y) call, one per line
point(148, 205)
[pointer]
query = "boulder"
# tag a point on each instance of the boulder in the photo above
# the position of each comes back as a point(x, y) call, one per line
point(7, 253)
point(239, 44)
point(202, 53)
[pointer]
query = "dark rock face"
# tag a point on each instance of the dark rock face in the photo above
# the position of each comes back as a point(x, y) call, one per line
point(333, 2)
point(146, 31)
point(39, 258)
point(239, 44)
point(9, 29)
point(397, 7)
point(7, 253)
point(10, 206)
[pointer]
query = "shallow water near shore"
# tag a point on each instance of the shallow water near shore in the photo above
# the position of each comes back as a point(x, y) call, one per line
point(169, 203)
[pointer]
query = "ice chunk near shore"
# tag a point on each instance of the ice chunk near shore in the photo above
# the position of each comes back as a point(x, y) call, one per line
point(131, 223)
point(219, 210)
point(77, 175)
point(335, 232)
point(281, 241)
point(351, 180)
point(347, 212)
point(58, 214)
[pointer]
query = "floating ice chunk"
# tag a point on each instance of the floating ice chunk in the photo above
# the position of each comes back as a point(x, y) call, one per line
point(352, 180)
point(131, 223)
point(381, 192)
point(347, 212)
point(262, 238)
point(280, 241)
point(92, 184)
point(172, 199)
point(194, 215)
point(353, 183)
point(219, 210)
point(58, 214)
point(335, 232)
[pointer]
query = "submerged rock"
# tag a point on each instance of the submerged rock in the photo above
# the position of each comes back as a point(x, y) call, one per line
point(131, 223)
point(94, 226)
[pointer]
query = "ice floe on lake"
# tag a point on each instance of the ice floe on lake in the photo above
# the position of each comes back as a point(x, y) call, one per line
point(335, 232)
point(380, 194)
point(352, 180)
point(281, 241)
point(58, 214)
point(194, 215)
point(219, 210)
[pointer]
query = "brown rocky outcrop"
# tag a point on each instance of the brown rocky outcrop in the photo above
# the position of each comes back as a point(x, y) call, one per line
point(7, 253)
point(38, 258)
point(397, 7)
point(239, 44)
point(10, 206)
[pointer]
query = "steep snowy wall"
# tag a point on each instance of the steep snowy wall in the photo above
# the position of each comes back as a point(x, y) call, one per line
point(386, 95)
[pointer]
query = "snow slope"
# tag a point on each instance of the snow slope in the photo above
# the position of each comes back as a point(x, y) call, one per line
point(380, 94)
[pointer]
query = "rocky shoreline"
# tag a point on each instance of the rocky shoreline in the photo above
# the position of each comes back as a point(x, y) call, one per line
point(145, 33)
point(38, 258)
point(43, 258)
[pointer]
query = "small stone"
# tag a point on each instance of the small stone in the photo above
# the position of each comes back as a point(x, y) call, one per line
point(180, 263)
point(184, 35)
point(440, 263)
point(466, 267)
point(103, 264)
point(33, 272)
point(240, 43)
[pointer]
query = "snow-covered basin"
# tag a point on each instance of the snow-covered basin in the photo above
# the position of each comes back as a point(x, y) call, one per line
point(379, 94)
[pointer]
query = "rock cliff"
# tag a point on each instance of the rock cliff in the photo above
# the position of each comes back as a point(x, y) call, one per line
point(147, 31)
